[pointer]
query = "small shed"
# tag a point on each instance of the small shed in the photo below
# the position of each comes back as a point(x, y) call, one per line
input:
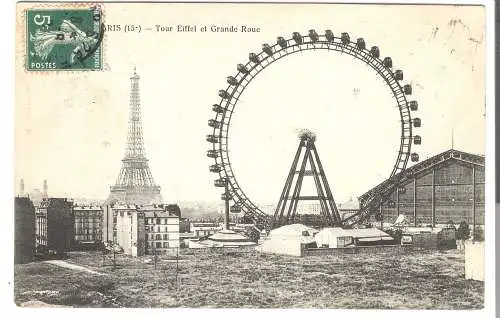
point(432, 238)
point(335, 237)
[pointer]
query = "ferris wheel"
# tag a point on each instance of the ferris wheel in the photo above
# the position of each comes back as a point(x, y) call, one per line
point(269, 54)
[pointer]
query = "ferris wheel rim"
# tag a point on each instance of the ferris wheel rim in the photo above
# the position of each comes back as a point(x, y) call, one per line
point(269, 55)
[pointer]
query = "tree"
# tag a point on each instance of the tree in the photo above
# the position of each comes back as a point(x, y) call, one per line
point(174, 209)
point(246, 219)
point(463, 231)
point(479, 234)
point(252, 233)
point(450, 224)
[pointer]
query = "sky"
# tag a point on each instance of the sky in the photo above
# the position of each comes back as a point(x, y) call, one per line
point(71, 127)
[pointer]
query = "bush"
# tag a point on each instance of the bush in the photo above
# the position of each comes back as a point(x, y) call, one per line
point(463, 231)
point(479, 234)
point(396, 235)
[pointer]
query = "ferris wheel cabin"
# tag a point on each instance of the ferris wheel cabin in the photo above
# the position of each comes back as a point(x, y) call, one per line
point(217, 108)
point(232, 81)
point(344, 38)
point(220, 183)
point(297, 37)
point(215, 168)
point(282, 42)
point(213, 139)
point(313, 36)
point(254, 58)
point(375, 52)
point(360, 43)
point(212, 153)
point(417, 122)
point(214, 123)
point(413, 105)
point(329, 35)
point(267, 49)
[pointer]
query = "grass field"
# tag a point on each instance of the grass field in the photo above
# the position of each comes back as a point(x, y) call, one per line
point(416, 280)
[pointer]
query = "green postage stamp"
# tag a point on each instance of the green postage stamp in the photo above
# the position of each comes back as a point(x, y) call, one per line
point(64, 39)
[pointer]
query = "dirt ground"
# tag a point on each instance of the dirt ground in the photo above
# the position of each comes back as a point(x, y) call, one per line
point(413, 280)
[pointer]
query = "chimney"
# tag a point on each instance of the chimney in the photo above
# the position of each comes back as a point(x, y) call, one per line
point(45, 187)
point(21, 190)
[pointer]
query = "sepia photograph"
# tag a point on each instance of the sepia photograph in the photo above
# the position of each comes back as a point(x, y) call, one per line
point(251, 155)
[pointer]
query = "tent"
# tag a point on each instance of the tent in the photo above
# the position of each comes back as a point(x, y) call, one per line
point(333, 237)
point(294, 230)
point(288, 240)
point(401, 220)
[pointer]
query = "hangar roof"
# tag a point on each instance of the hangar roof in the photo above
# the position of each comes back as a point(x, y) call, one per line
point(425, 165)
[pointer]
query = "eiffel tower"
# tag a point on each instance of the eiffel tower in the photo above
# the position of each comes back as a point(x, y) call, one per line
point(287, 205)
point(135, 184)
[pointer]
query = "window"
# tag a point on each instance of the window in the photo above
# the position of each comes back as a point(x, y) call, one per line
point(158, 221)
point(158, 236)
point(165, 237)
point(158, 244)
point(165, 244)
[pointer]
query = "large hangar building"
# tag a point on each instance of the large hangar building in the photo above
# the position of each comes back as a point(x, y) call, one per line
point(446, 187)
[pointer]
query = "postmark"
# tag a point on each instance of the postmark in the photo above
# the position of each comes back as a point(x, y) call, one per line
point(64, 39)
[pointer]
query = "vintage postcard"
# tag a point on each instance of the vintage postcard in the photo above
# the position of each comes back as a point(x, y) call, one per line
point(250, 155)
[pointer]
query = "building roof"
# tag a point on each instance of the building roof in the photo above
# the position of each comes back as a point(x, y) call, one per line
point(229, 236)
point(87, 208)
point(49, 202)
point(158, 214)
point(351, 204)
point(293, 230)
point(161, 207)
point(356, 233)
point(124, 207)
point(152, 207)
point(226, 238)
point(23, 200)
point(414, 230)
point(367, 233)
point(150, 211)
point(429, 163)
point(187, 235)
point(205, 224)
